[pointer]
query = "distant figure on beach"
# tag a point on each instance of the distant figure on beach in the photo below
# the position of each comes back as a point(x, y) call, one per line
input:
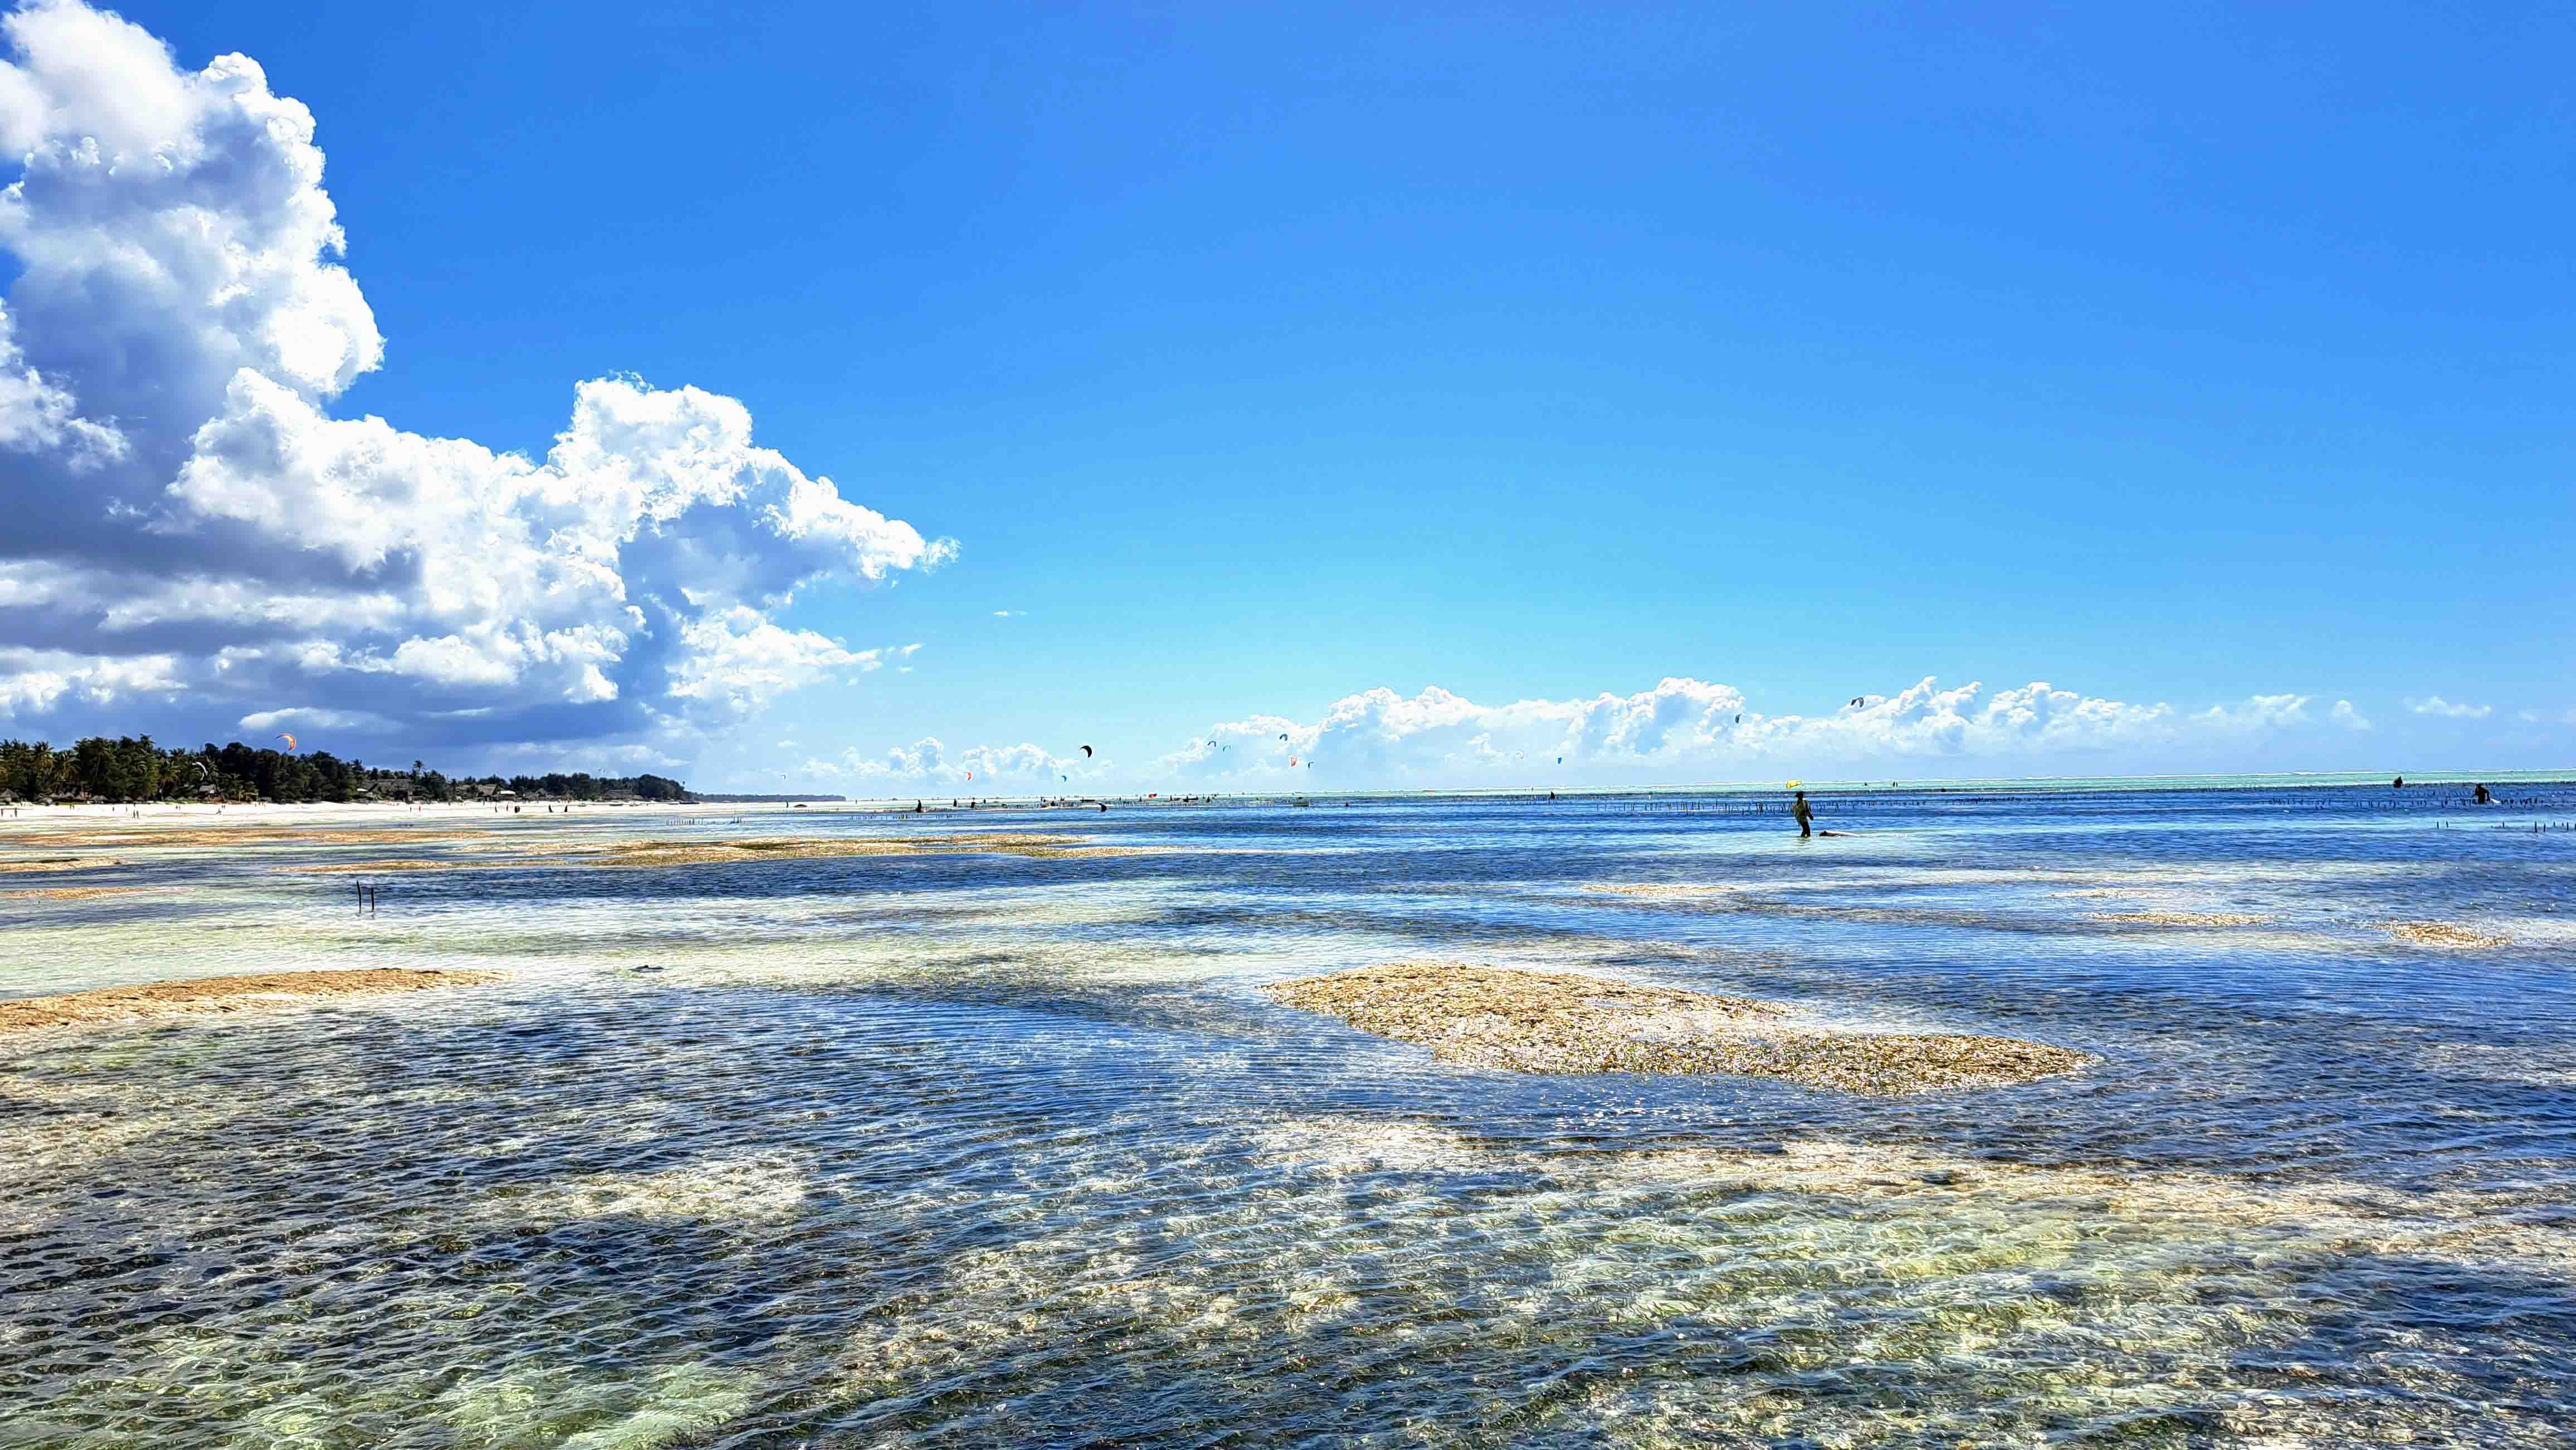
point(2398, 784)
point(916, 808)
point(1806, 817)
point(2482, 798)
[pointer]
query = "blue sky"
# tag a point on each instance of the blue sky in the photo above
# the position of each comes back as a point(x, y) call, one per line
point(1254, 359)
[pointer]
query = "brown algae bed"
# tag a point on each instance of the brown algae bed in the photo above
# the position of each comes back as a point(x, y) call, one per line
point(1560, 1022)
point(30, 866)
point(2179, 918)
point(207, 996)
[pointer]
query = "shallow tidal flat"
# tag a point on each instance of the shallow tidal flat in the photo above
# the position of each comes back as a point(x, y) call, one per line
point(863, 1128)
point(647, 854)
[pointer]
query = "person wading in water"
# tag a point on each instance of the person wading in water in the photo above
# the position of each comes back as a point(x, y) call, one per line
point(1806, 817)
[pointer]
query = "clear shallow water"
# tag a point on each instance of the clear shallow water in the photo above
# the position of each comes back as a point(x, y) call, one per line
point(987, 1150)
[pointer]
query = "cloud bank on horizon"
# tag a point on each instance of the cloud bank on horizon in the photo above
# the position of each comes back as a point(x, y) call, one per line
point(190, 519)
point(1682, 729)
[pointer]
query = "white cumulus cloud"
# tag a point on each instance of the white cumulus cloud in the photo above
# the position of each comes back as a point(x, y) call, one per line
point(1696, 729)
point(928, 764)
point(34, 680)
point(189, 515)
point(2436, 705)
point(1681, 730)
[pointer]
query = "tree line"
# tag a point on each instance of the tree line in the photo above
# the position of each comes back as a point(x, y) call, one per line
point(134, 768)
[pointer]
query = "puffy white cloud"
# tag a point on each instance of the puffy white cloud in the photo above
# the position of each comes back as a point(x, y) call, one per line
point(739, 658)
point(2256, 714)
point(2348, 717)
point(33, 680)
point(927, 764)
point(2436, 705)
point(189, 513)
point(1680, 730)
point(1692, 728)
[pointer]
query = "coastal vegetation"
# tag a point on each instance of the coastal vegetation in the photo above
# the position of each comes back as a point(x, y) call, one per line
point(136, 768)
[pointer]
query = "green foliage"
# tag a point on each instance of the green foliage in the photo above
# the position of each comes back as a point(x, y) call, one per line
point(133, 768)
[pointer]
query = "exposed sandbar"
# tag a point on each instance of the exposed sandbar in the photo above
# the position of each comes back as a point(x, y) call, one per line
point(65, 893)
point(2443, 934)
point(1559, 1022)
point(215, 995)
